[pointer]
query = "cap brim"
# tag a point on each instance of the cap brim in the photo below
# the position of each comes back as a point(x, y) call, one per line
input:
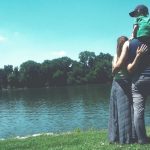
point(132, 14)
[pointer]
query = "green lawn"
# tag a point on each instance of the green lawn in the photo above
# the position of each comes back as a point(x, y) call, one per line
point(77, 140)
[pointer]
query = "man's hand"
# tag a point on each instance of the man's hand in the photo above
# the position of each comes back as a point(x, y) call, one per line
point(141, 50)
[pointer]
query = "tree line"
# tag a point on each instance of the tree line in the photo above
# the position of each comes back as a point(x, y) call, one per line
point(89, 69)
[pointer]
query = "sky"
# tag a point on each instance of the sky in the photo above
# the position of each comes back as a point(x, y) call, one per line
point(41, 30)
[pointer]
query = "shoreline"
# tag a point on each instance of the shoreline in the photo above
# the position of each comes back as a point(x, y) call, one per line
point(77, 140)
point(37, 134)
point(49, 87)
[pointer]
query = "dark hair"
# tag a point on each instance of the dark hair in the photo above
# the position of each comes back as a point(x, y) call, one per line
point(120, 41)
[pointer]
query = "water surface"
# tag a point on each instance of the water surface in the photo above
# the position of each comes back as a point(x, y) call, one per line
point(60, 109)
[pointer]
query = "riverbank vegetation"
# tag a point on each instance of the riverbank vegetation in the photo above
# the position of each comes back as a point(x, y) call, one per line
point(78, 140)
point(89, 69)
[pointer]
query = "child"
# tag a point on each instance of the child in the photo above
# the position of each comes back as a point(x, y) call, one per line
point(141, 29)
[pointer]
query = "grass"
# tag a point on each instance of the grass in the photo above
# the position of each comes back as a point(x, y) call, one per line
point(77, 140)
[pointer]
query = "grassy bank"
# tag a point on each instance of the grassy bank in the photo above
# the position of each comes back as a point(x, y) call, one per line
point(78, 140)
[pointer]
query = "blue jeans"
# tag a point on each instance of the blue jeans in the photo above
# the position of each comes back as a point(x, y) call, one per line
point(140, 90)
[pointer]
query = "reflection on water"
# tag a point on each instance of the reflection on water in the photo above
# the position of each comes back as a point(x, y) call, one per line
point(26, 112)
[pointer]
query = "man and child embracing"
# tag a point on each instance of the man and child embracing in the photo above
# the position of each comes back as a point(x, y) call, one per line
point(131, 83)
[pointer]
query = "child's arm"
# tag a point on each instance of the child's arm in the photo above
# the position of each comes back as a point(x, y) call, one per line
point(134, 33)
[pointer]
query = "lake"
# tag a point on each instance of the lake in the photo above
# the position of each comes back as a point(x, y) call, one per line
point(58, 109)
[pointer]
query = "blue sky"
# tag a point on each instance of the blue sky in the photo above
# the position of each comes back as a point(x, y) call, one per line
point(46, 29)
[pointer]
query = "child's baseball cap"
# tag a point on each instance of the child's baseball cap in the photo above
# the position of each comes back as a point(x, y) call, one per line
point(143, 9)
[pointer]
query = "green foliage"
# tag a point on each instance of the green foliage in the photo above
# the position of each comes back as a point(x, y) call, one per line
point(4, 75)
point(57, 72)
point(59, 78)
point(13, 78)
point(30, 73)
point(87, 58)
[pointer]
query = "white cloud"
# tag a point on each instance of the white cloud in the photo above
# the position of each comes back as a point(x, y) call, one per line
point(2, 39)
point(59, 53)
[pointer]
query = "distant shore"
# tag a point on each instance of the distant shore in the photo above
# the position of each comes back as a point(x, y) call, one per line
point(27, 88)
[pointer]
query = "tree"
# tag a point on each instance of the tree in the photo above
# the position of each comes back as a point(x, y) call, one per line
point(87, 58)
point(103, 68)
point(8, 69)
point(58, 78)
point(13, 78)
point(47, 72)
point(30, 74)
point(76, 75)
point(56, 69)
point(1, 77)
point(60, 71)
